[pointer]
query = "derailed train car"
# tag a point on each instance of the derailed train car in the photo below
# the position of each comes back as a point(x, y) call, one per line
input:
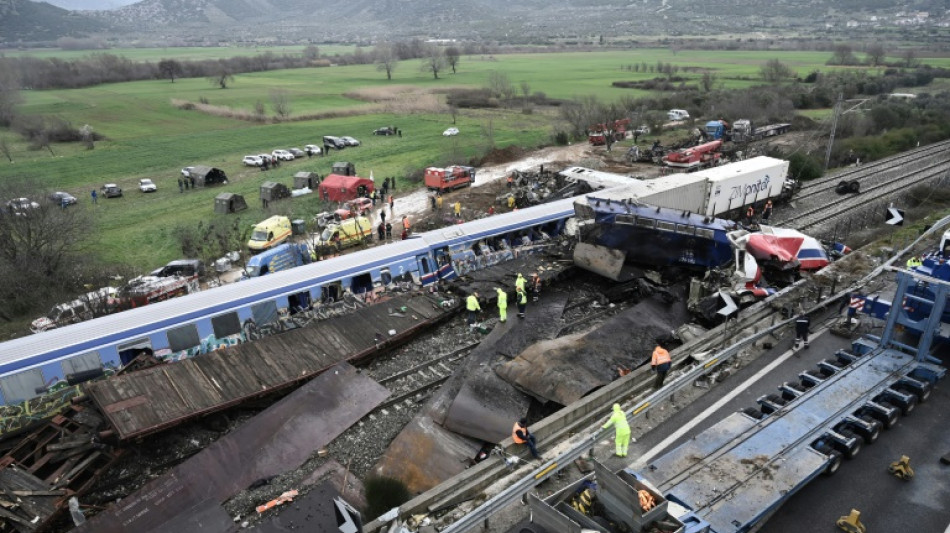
point(194, 324)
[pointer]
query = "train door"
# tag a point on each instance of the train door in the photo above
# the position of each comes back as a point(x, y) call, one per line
point(299, 302)
point(427, 274)
point(443, 262)
point(331, 292)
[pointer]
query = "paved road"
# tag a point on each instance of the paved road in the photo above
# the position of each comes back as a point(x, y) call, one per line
point(887, 504)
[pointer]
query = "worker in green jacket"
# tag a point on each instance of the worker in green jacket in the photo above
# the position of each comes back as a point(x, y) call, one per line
point(471, 304)
point(521, 298)
point(622, 437)
point(519, 282)
point(502, 304)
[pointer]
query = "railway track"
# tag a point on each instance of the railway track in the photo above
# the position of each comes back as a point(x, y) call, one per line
point(410, 384)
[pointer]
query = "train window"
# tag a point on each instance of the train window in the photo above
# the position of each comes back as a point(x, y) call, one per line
point(299, 302)
point(645, 222)
point(625, 219)
point(264, 312)
point(226, 325)
point(361, 283)
point(385, 276)
point(82, 363)
point(183, 338)
point(332, 292)
point(22, 386)
point(665, 226)
point(705, 233)
point(684, 229)
point(131, 350)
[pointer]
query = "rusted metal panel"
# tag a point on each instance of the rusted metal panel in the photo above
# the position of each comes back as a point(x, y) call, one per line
point(176, 392)
point(566, 369)
point(278, 439)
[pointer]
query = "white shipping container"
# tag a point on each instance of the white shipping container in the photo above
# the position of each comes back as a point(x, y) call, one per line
point(740, 184)
point(685, 192)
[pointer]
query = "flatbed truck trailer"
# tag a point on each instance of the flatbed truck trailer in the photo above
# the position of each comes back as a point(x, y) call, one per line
point(731, 477)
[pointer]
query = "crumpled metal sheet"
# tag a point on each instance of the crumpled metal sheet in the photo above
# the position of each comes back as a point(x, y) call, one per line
point(566, 369)
point(277, 440)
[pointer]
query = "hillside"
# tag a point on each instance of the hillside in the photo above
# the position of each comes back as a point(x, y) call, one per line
point(26, 21)
point(212, 21)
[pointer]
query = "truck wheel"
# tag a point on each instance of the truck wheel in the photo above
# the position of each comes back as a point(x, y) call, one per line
point(871, 434)
point(888, 421)
point(834, 462)
point(850, 452)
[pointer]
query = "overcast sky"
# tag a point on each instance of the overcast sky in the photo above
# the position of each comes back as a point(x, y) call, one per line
point(90, 4)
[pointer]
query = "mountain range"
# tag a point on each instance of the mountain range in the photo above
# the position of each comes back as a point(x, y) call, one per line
point(214, 21)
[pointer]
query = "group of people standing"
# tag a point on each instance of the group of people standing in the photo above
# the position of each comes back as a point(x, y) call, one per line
point(522, 287)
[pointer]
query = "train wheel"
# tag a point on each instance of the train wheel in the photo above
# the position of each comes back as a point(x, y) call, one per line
point(854, 187)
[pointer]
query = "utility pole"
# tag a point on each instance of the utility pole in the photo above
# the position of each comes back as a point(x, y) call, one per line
point(834, 126)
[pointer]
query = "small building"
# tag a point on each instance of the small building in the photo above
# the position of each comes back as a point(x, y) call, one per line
point(337, 188)
point(205, 176)
point(344, 168)
point(228, 202)
point(271, 191)
point(306, 180)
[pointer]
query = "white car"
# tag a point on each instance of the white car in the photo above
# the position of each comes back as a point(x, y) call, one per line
point(350, 141)
point(186, 172)
point(283, 155)
point(313, 149)
point(253, 161)
point(20, 206)
point(642, 130)
point(147, 185)
point(449, 132)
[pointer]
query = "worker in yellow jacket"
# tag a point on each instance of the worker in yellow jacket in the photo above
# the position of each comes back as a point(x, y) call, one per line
point(622, 436)
point(502, 304)
point(471, 305)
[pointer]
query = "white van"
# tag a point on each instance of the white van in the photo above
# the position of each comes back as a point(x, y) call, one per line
point(677, 114)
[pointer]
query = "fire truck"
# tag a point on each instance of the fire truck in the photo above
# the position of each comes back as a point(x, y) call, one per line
point(449, 178)
point(597, 133)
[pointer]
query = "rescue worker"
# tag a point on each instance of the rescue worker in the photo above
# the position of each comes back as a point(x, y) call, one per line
point(406, 225)
point(622, 436)
point(438, 201)
point(432, 202)
point(802, 323)
point(522, 299)
point(519, 282)
point(511, 201)
point(471, 304)
point(381, 230)
point(382, 216)
point(458, 209)
point(392, 203)
point(521, 435)
point(535, 286)
point(510, 181)
point(389, 231)
point(502, 304)
point(767, 211)
point(750, 214)
point(491, 210)
point(914, 262)
point(661, 363)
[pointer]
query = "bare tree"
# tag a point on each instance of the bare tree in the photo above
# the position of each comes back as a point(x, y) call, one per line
point(259, 111)
point(5, 149)
point(280, 101)
point(169, 68)
point(525, 93)
point(843, 55)
point(875, 54)
point(10, 96)
point(386, 59)
point(488, 132)
point(311, 53)
point(708, 81)
point(434, 61)
point(500, 85)
point(223, 77)
point(774, 71)
point(581, 112)
point(454, 111)
point(88, 137)
point(909, 58)
point(452, 55)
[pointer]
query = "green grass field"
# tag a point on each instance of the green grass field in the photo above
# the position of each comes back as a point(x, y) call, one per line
point(180, 53)
point(149, 137)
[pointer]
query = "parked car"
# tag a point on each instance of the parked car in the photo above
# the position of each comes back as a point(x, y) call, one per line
point(147, 185)
point(384, 131)
point(111, 190)
point(62, 198)
point(298, 153)
point(283, 155)
point(360, 205)
point(335, 142)
point(350, 141)
point(642, 130)
point(313, 149)
point(20, 206)
point(249, 161)
point(449, 132)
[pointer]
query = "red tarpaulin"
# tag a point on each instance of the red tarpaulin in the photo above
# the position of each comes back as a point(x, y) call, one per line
point(337, 188)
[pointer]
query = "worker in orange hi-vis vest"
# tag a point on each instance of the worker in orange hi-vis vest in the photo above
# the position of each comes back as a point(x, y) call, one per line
point(661, 363)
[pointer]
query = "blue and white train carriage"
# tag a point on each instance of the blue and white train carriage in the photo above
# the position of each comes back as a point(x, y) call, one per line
point(196, 323)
